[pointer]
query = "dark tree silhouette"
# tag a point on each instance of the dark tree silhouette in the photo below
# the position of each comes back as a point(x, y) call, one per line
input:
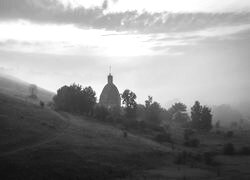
point(178, 113)
point(178, 107)
point(201, 117)
point(74, 98)
point(206, 119)
point(153, 113)
point(196, 114)
point(101, 112)
point(148, 102)
point(129, 98)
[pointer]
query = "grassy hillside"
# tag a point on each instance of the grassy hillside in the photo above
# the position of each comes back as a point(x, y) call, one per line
point(18, 88)
point(39, 143)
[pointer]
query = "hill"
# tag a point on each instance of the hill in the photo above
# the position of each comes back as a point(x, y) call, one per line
point(42, 144)
point(18, 88)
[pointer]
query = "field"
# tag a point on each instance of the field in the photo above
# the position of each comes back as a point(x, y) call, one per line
point(40, 143)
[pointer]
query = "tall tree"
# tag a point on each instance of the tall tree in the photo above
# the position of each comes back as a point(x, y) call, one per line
point(74, 98)
point(201, 117)
point(129, 98)
point(148, 102)
point(178, 112)
point(196, 114)
point(153, 113)
point(206, 119)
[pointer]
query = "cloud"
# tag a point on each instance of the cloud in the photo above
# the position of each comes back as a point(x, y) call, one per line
point(52, 11)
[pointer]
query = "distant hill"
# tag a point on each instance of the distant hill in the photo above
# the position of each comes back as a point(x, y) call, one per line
point(226, 114)
point(18, 88)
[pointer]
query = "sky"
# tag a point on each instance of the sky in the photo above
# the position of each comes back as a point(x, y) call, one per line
point(182, 50)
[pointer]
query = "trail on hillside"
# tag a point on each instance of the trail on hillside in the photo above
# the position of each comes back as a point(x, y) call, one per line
point(79, 123)
point(40, 143)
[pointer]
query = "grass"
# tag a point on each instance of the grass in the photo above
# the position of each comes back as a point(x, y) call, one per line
point(38, 143)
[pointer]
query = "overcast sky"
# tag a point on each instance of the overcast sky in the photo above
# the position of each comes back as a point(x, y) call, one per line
point(182, 50)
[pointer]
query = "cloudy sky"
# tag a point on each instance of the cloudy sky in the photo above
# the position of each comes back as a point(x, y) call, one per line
point(182, 50)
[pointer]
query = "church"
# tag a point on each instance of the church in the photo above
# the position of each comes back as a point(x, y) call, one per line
point(110, 96)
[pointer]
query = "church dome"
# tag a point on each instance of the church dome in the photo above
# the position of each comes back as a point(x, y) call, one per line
point(110, 96)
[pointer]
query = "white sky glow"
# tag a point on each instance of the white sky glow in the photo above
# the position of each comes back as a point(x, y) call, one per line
point(190, 57)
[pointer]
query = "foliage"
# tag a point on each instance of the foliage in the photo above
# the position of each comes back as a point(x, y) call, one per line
point(177, 107)
point(209, 158)
point(245, 150)
point(153, 113)
point(74, 98)
point(148, 102)
point(187, 134)
point(129, 98)
point(178, 113)
point(217, 125)
point(229, 134)
point(101, 112)
point(201, 117)
point(163, 137)
point(194, 142)
point(41, 104)
point(228, 149)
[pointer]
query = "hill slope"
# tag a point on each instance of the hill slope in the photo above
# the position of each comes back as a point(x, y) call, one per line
point(16, 87)
point(42, 144)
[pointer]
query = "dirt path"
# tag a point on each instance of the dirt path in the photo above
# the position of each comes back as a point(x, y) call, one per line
point(40, 143)
point(73, 122)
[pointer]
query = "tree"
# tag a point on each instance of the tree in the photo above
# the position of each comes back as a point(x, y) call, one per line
point(217, 124)
point(74, 98)
point(153, 111)
point(178, 113)
point(33, 91)
point(196, 114)
point(129, 98)
point(201, 117)
point(101, 112)
point(206, 119)
point(148, 102)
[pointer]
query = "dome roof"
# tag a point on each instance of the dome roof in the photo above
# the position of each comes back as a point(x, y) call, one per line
point(110, 96)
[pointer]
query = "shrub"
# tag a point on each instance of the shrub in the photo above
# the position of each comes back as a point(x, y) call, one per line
point(244, 150)
point(218, 132)
point(229, 134)
point(101, 113)
point(192, 142)
point(208, 158)
point(187, 134)
point(228, 149)
point(181, 158)
point(41, 104)
point(163, 137)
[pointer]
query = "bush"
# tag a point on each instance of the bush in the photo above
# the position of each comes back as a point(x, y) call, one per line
point(101, 113)
point(244, 150)
point(229, 134)
point(192, 142)
point(187, 134)
point(41, 104)
point(218, 132)
point(181, 158)
point(228, 149)
point(163, 137)
point(208, 158)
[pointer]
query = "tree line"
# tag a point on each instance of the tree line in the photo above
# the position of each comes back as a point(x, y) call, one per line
point(78, 99)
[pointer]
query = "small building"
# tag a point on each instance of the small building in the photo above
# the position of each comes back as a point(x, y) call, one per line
point(110, 96)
